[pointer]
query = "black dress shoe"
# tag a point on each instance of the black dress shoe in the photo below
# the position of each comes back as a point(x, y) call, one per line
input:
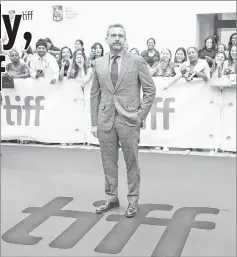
point(107, 206)
point(131, 211)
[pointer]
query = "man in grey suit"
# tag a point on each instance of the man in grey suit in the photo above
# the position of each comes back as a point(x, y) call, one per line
point(117, 113)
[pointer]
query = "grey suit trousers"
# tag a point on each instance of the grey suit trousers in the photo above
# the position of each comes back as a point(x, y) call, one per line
point(129, 138)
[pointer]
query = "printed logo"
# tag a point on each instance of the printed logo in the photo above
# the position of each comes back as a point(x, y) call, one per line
point(69, 13)
point(27, 15)
point(171, 243)
point(161, 106)
point(57, 13)
point(31, 104)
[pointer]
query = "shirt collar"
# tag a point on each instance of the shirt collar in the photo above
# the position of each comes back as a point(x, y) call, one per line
point(42, 58)
point(119, 54)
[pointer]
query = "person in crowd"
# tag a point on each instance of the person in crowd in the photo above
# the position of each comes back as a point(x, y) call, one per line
point(64, 61)
point(16, 69)
point(216, 39)
point(180, 56)
point(117, 113)
point(135, 51)
point(27, 55)
point(44, 64)
point(232, 41)
point(195, 67)
point(208, 52)
point(79, 45)
point(97, 51)
point(222, 49)
point(230, 64)
point(166, 68)
point(82, 73)
point(217, 69)
point(57, 56)
point(79, 69)
point(151, 55)
point(50, 47)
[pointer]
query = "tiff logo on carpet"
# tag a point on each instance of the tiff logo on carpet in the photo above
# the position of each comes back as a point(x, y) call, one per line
point(171, 242)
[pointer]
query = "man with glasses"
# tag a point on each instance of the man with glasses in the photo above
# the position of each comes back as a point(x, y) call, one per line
point(117, 113)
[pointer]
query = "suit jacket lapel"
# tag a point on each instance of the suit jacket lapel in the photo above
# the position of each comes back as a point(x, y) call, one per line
point(107, 72)
point(124, 65)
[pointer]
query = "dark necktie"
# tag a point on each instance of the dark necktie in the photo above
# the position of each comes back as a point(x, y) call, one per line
point(114, 70)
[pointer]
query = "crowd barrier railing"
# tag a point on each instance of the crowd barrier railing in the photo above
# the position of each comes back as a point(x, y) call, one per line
point(186, 115)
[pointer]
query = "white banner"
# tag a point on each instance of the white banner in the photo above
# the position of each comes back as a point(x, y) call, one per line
point(228, 125)
point(37, 110)
point(184, 116)
point(187, 115)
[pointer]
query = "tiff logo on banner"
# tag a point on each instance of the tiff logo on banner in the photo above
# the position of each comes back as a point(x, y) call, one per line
point(171, 243)
point(31, 104)
point(164, 108)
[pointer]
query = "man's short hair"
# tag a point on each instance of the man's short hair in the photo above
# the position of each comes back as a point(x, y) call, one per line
point(41, 42)
point(116, 25)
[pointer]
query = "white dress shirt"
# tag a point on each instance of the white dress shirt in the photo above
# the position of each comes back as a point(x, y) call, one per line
point(47, 64)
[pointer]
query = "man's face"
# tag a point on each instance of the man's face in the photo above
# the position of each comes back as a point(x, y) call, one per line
point(116, 39)
point(41, 50)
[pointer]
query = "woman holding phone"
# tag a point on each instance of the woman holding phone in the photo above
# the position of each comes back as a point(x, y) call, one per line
point(166, 68)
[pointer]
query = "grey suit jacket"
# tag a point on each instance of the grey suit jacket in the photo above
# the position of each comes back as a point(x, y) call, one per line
point(125, 96)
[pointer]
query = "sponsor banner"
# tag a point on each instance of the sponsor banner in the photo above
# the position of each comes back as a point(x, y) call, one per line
point(187, 115)
point(60, 12)
point(183, 116)
point(37, 110)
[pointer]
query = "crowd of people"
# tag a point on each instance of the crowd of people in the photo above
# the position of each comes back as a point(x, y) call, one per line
point(46, 60)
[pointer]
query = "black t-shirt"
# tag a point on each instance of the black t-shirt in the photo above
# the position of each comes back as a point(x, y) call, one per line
point(205, 52)
point(66, 67)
